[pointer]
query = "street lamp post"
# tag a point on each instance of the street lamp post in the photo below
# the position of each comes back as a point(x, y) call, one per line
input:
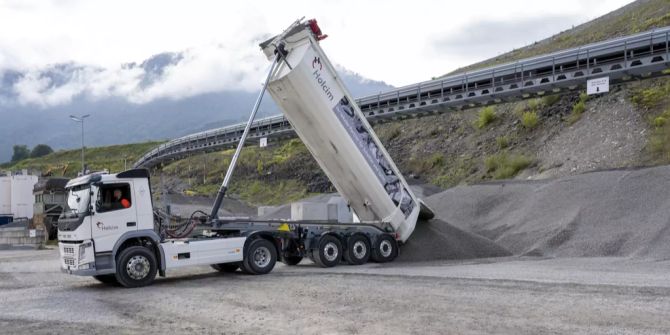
point(80, 119)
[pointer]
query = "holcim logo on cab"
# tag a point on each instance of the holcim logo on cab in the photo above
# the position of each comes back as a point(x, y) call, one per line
point(317, 66)
point(102, 226)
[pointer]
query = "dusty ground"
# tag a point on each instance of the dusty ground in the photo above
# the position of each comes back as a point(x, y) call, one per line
point(501, 296)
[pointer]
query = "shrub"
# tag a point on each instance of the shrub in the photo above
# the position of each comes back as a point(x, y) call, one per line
point(660, 121)
point(534, 104)
point(529, 119)
point(503, 165)
point(486, 116)
point(502, 142)
point(40, 150)
point(550, 100)
point(578, 108)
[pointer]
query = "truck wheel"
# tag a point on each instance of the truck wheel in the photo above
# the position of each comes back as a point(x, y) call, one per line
point(261, 257)
point(292, 260)
point(107, 279)
point(136, 267)
point(385, 249)
point(226, 267)
point(329, 252)
point(358, 250)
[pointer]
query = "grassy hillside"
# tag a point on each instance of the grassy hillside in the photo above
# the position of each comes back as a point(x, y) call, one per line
point(68, 162)
point(273, 175)
point(636, 17)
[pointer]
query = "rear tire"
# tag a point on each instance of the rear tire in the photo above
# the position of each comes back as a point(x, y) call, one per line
point(292, 260)
point(385, 249)
point(107, 279)
point(226, 267)
point(358, 250)
point(261, 257)
point(136, 267)
point(329, 252)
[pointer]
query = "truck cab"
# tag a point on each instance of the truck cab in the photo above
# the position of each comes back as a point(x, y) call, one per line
point(107, 230)
point(95, 225)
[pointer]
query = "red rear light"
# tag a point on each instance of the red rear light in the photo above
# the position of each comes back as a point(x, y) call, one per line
point(316, 30)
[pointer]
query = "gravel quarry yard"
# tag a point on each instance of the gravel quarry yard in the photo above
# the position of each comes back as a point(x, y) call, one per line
point(505, 295)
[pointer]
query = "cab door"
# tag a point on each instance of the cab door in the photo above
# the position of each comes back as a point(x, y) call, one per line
point(113, 217)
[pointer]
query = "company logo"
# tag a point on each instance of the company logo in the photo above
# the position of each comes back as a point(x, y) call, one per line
point(317, 62)
point(102, 226)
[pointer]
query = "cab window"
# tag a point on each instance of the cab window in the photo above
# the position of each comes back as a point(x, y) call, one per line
point(112, 197)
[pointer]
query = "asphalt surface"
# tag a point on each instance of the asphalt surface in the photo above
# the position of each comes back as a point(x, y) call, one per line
point(504, 295)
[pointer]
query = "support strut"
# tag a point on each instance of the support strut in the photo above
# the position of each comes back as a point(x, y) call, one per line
point(226, 180)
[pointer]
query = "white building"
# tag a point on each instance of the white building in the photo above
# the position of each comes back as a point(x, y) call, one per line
point(16, 195)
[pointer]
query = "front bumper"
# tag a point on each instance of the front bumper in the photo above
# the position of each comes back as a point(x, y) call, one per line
point(77, 258)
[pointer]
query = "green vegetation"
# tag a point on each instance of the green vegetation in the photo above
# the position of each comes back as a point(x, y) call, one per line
point(21, 152)
point(652, 96)
point(659, 138)
point(40, 150)
point(502, 142)
point(550, 100)
point(458, 170)
point(486, 116)
point(426, 164)
point(264, 176)
point(529, 120)
point(528, 112)
point(578, 109)
point(504, 165)
point(68, 162)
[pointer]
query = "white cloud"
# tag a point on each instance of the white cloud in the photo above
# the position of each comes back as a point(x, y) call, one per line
point(393, 41)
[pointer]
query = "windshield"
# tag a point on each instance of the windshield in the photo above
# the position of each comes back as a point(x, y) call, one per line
point(78, 200)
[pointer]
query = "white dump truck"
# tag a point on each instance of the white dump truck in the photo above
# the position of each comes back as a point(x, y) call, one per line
point(109, 228)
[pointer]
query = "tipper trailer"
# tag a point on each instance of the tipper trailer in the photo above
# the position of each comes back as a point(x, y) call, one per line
point(110, 230)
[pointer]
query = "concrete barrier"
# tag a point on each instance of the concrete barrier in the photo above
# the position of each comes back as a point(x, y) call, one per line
point(21, 237)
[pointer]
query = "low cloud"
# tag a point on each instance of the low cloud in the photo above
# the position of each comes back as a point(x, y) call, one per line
point(199, 70)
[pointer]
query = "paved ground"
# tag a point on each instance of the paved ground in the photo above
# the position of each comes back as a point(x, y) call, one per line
point(501, 296)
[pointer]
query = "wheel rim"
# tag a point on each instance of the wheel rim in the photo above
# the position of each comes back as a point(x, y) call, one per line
point(138, 267)
point(262, 257)
point(359, 249)
point(330, 251)
point(385, 248)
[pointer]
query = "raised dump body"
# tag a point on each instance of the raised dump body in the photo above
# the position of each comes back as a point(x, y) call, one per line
point(325, 116)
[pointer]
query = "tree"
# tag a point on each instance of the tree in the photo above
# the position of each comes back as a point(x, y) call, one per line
point(21, 152)
point(41, 150)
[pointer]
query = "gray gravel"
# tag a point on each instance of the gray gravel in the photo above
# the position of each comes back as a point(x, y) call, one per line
point(611, 133)
point(608, 213)
point(508, 295)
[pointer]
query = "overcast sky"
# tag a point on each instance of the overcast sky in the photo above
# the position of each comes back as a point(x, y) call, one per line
point(399, 42)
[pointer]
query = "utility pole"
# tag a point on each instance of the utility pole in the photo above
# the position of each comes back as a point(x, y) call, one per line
point(80, 119)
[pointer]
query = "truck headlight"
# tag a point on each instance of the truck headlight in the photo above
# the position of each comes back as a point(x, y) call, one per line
point(82, 249)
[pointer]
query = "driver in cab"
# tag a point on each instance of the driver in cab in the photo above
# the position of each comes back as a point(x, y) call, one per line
point(118, 201)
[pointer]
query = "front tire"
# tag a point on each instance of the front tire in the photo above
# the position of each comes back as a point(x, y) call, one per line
point(260, 258)
point(136, 267)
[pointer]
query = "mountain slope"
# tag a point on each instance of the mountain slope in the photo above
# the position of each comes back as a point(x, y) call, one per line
point(38, 103)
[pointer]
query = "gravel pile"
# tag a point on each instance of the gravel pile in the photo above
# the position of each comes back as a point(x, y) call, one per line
point(607, 213)
point(436, 239)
